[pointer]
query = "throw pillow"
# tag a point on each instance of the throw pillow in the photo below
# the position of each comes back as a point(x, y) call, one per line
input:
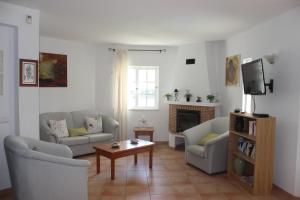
point(207, 138)
point(59, 128)
point(94, 125)
point(73, 132)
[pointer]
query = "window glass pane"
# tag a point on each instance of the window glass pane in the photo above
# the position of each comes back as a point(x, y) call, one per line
point(142, 91)
point(150, 101)
point(142, 88)
point(151, 75)
point(131, 86)
point(132, 75)
point(150, 88)
point(142, 101)
point(142, 74)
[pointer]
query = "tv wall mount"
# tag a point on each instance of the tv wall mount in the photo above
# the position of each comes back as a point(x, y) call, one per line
point(270, 85)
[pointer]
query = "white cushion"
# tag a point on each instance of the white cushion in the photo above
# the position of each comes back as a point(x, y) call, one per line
point(94, 125)
point(59, 128)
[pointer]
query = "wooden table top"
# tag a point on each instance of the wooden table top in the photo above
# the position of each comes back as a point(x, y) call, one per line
point(137, 129)
point(124, 146)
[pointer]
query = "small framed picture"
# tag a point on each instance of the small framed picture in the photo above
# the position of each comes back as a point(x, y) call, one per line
point(29, 73)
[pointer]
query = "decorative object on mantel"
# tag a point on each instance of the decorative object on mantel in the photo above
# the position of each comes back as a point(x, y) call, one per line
point(168, 96)
point(188, 95)
point(176, 93)
point(210, 98)
point(53, 70)
point(29, 73)
point(199, 99)
point(233, 64)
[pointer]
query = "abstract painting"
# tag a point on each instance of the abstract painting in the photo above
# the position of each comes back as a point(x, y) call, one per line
point(233, 70)
point(53, 70)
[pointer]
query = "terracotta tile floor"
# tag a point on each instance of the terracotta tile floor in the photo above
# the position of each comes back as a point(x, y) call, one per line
point(171, 178)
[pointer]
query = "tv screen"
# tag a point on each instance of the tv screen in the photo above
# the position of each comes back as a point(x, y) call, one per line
point(253, 77)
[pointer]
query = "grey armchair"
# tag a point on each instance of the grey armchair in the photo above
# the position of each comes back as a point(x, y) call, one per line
point(212, 157)
point(45, 171)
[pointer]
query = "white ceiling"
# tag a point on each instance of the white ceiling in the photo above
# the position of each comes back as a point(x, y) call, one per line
point(152, 22)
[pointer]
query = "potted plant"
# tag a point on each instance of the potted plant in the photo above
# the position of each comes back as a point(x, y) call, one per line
point(168, 96)
point(210, 98)
point(188, 95)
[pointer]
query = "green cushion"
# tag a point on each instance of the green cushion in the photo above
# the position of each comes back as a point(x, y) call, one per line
point(208, 137)
point(73, 132)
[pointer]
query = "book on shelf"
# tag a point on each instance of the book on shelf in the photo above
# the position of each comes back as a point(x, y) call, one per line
point(252, 128)
point(246, 147)
point(253, 152)
point(249, 149)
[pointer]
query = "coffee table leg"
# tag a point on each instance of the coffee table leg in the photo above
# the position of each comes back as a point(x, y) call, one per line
point(98, 161)
point(135, 159)
point(112, 173)
point(150, 158)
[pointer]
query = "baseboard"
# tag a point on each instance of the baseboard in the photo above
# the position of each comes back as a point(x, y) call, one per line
point(6, 192)
point(161, 142)
point(285, 192)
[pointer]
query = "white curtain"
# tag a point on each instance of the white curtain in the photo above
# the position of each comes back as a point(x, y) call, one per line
point(120, 91)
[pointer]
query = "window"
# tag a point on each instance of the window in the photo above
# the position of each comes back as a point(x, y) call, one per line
point(143, 87)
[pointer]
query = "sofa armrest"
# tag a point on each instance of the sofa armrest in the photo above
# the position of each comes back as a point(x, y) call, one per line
point(54, 149)
point(194, 134)
point(110, 126)
point(36, 155)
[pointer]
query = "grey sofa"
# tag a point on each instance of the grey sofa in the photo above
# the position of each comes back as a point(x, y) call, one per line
point(212, 157)
point(79, 145)
point(45, 171)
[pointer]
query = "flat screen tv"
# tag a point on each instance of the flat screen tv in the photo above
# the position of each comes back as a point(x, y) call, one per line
point(253, 77)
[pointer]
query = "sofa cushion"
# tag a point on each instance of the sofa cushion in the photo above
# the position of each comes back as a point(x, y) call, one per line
point(208, 137)
point(74, 140)
point(197, 150)
point(79, 117)
point(100, 137)
point(94, 125)
point(73, 132)
point(59, 127)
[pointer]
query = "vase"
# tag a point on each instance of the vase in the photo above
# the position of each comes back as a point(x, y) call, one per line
point(239, 166)
point(188, 98)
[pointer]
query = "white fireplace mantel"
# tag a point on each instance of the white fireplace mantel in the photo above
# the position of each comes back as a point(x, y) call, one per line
point(205, 104)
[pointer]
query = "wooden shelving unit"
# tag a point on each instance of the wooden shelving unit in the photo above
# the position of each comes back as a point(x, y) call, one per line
point(260, 169)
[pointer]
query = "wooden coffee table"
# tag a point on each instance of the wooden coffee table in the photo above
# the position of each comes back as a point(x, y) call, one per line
point(126, 149)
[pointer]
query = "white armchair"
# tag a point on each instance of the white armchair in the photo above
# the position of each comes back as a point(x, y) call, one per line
point(45, 171)
point(212, 157)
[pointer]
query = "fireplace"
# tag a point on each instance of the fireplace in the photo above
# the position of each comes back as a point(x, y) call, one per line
point(186, 119)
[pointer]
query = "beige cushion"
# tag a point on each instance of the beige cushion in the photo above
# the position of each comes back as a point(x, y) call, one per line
point(74, 140)
point(94, 125)
point(100, 137)
point(59, 127)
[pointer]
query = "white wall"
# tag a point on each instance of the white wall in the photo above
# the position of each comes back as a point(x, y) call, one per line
point(104, 73)
point(279, 35)
point(80, 93)
point(27, 41)
point(193, 77)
